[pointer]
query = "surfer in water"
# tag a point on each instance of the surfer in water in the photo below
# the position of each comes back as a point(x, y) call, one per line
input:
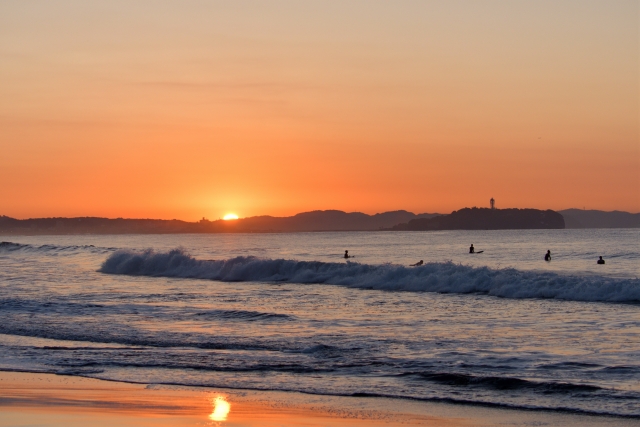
point(417, 264)
point(472, 250)
point(346, 255)
point(547, 257)
point(600, 261)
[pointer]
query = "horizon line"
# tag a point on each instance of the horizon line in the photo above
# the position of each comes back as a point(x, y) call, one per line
point(303, 212)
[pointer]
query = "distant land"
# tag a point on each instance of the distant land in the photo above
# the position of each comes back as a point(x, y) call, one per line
point(578, 218)
point(330, 220)
point(487, 219)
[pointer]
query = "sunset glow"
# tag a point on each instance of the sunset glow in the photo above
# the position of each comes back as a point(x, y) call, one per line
point(230, 216)
point(141, 110)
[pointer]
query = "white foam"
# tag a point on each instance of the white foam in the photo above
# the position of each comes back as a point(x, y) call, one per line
point(432, 277)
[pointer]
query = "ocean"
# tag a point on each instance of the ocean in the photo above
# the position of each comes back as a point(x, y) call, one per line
point(287, 312)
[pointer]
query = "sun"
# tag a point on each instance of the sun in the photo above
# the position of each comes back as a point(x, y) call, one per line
point(229, 216)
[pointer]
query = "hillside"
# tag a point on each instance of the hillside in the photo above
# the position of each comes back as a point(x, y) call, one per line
point(486, 219)
point(578, 218)
point(331, 220)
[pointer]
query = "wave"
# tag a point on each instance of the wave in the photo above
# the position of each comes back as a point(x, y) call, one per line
point(104, 375)
point(22, 247)
point(142, 340)
point(455, 380)
point(244, 315)
point(503, 383)
point(431, 277)
point(66, 308)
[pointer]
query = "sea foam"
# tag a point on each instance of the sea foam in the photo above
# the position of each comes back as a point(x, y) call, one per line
point(444, 277)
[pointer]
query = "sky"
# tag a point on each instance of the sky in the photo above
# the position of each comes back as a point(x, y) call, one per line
point(191, 109)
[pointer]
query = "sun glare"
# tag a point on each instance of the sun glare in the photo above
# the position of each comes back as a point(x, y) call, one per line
point(229, 216)
point(221, 409)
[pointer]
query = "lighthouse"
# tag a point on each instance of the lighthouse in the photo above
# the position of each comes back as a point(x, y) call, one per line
point(493, 203)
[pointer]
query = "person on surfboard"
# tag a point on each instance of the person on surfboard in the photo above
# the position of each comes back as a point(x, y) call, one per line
point(346, 255)
point(547, 257)
point(600, 261)
point(417, 264)
point(472, 250)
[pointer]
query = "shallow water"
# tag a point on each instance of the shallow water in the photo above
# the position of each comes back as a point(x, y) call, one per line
point(504, 328)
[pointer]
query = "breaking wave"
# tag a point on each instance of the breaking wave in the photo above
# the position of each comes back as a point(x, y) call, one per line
point(431, 277)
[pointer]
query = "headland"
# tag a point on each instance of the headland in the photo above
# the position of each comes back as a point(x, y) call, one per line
point(487, 219)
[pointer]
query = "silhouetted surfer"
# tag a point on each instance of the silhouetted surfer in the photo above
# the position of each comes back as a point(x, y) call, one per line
point(600, 261)
point(346, 255)
point(547, 257)
point(472, 250)
point(417, 263)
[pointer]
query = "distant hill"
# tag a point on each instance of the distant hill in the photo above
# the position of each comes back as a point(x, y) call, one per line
point(578, 218)
point(92, 225)
point(487, 219)
point(331, 220)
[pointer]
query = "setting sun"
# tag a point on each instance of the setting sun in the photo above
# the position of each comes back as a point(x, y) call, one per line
point(230, 216)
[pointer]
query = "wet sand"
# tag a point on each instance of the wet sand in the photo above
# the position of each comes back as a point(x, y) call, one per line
point(52, 400)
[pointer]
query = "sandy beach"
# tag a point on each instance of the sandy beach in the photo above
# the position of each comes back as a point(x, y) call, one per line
point(54, 400)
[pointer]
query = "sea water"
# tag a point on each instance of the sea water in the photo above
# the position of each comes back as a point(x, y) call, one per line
point(288, 312)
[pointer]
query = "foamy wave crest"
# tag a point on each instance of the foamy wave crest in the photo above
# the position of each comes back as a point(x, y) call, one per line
point(432, 277)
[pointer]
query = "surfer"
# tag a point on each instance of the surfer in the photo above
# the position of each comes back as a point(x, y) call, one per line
point(346, 255)
point(472, 250)
point(600, 261)
point(417, 263)
point(547, 257)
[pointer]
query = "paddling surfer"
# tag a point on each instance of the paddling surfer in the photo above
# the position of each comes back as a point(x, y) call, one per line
point(417, 264)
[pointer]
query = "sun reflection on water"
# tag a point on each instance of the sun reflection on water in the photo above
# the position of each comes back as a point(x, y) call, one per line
point(221, 409)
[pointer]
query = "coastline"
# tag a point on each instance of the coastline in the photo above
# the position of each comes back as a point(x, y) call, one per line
point(56, 400)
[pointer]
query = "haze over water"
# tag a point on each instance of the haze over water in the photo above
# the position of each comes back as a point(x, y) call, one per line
point(286, 312)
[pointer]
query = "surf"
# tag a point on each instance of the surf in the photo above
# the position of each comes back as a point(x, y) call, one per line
point(440, 277)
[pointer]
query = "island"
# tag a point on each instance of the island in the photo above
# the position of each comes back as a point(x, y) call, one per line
point(486, 219)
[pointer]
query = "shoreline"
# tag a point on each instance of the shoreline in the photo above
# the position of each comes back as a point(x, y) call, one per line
point(60, 400)
point(311, 395)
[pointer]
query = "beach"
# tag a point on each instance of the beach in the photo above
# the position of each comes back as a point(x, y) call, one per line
point(54, 400)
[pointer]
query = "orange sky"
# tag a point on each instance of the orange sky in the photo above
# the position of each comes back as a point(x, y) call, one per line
point(196, 108)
